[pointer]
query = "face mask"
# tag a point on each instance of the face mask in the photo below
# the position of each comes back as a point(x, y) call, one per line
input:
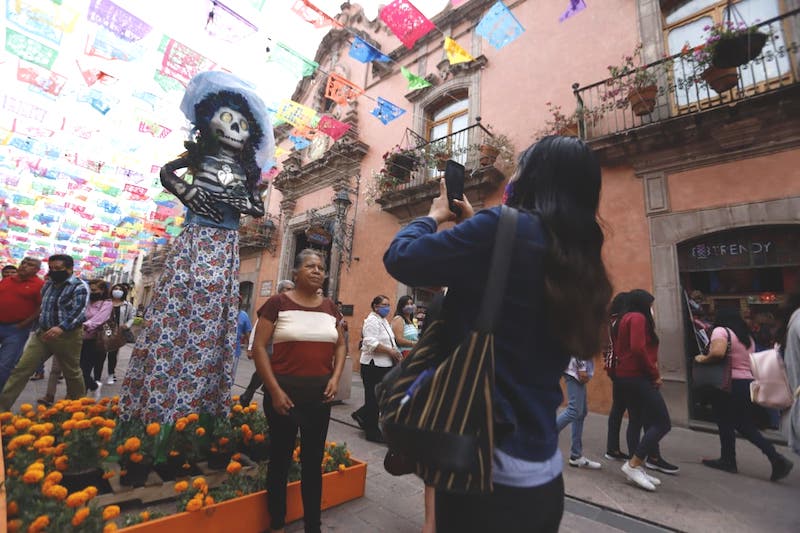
point(383, 311)
point(59, 276)
point(95, 296)
point(409, 309)
point(118, 294)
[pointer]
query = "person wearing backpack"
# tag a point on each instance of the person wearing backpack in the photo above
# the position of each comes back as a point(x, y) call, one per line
point(733, 409)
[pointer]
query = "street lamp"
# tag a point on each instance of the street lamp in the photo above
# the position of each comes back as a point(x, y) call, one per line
point(342, 203)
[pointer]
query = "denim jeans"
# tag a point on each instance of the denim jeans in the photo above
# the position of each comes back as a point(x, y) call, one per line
point(734, 412)
point(574, 414)
point(647, 409)
point(12, 342)
point(506, 509)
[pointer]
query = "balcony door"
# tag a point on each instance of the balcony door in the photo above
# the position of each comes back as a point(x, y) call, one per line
point(449, 115)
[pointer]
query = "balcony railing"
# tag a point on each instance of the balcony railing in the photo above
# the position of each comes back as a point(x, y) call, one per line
point(461, 146)
point(605, 107)
point(257, 233)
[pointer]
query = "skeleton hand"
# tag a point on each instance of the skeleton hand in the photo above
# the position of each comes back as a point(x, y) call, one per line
point(239, 202)
point(201, 202)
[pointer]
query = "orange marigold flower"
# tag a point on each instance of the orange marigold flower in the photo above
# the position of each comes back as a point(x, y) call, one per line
point(14, 526)
point(38, 429)
point(25, 407)
point(342, 468)
point(132, 444)
point(39, 524)
point(259, 437)
point(83, 424)
point(91, 491)
point(234, 467)
point(6, 416)
point(108, 475)
point(79, 516)
point(180, 425)
point(237, 408)
point(136, 457)
point(194, 504)
point(199, 482)
point(153, 429)
point(236, 456)
point(110, 423)
point(54, 477)
point(123, 472)
point(22, 423)
point(103, 453)
point(181, 486)
point(61, 448)
point(98, 421)
point(209, 500)
point(44, 442)
point(9, 430)
point(12, 508)
point(173, 453)
point(61, 463)
point(110, 512)
point(111, 527)
point(115, 398)
point(200, 431)
point(76, 499)
point(223, 441)
point(120, 449)
point(32, 476)
point(145, 516)
point(57, 492)
point(78, 415)
point(193, 417)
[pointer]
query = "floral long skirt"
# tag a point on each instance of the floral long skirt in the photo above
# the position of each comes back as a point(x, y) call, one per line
point(182, 360)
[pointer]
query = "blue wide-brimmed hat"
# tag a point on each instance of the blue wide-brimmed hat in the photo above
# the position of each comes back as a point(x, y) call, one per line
point(207, 83)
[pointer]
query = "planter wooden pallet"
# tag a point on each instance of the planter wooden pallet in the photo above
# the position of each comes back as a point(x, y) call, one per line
point(249, 514)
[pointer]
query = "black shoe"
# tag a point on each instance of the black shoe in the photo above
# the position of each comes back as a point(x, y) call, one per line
point(617, 456)
point(719, 464)
point(374, 436)
point(37, 376)
point(244, 401)
point(661, 465)
point(781, 466)
point(355, 415)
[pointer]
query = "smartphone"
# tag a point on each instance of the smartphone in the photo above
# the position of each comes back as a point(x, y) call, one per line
point(454, 176)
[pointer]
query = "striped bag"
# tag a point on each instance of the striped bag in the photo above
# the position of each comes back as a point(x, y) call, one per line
point(436, 407)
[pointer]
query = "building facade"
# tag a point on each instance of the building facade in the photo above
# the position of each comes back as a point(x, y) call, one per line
point(701, 189)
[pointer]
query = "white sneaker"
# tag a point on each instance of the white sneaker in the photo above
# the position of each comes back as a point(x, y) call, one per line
point(638, 476)
point(583, 462)
point(111, 380)
point(654, 480)
point(97, 390)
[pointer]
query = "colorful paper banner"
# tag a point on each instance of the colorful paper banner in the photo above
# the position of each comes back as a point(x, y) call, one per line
point(575, 7)
point(296, 114)
point(456, 54)
point(332, 127)
point(341, 90)
point(362, 51)
point(29, 49)
point(313, 15)
point(182, 63)
point(292, 61)
point(414, 82)
point(406, 22)
point(386, 111)
point(499, 26)
point(120, 22)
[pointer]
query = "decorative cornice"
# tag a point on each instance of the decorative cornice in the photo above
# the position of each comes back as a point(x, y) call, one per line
point(752, 127)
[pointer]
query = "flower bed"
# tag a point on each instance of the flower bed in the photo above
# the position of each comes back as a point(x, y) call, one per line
point(46, 447)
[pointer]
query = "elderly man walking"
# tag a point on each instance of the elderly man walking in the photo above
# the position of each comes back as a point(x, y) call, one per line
point(60, 332)
point(20, 298)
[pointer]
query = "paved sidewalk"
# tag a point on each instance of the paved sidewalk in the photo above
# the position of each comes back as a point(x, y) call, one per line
point(697, 499)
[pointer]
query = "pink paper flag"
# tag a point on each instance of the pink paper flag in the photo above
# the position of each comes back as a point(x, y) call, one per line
point(332, 127)
point(406, 22)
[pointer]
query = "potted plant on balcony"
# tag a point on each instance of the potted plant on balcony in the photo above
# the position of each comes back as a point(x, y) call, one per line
point(634, 82)
point(718, 79)
point(733, 42)
point(569, 125)
point(399, 162)
point(494, 147)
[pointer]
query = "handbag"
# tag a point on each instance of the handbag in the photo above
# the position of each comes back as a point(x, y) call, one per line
point(436, 408)
point(110, 336)
point(770, 385)
point(717, 374)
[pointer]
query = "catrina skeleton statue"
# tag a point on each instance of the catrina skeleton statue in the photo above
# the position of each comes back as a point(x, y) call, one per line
point(183, 359)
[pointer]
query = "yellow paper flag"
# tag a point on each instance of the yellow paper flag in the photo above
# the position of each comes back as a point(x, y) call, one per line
point(456, 54)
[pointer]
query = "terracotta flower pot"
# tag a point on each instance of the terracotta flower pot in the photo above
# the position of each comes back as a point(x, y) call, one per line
point(400, 167)
point(569, 130)
point(643, 99)
point(734, 51)
point(721, 79)
point(441, 161)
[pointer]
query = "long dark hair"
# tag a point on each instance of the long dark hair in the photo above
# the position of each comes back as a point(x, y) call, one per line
point(559, 178)
point(401, 303)
point(791, 305)
point(206, 142)
point(618, 305)
point(639, 301)
point(731, 318)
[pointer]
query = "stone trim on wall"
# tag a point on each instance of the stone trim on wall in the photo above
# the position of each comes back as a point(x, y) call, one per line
point(656, 193)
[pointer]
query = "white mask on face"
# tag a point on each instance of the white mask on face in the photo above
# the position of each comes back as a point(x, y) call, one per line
point(117, 294)
point(230, 127)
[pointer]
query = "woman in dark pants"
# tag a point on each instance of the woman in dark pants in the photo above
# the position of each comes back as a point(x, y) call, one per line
point(636, 344)
point(555, 305)
point(98, 311)
point(301, 378)
point(734, 410)
point(379, 352)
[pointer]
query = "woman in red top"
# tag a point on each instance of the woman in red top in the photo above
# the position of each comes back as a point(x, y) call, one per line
point(301, 378)
point(636, 344)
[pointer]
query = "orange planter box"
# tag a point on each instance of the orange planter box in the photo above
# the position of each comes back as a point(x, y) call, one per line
point(249, 514)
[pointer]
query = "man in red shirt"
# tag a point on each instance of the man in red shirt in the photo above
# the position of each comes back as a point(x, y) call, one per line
point(20, 299)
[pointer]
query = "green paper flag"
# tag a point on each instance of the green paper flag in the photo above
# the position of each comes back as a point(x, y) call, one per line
point(414, 82)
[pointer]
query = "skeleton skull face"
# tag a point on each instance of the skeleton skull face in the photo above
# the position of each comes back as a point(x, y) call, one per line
point(230, 127)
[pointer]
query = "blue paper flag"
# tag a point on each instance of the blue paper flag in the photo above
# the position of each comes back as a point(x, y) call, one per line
point(499, 26)
point(299, 142)
point(364, 52)
point(386, 111)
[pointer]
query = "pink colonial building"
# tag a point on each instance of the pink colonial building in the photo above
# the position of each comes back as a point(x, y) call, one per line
point(701, 188)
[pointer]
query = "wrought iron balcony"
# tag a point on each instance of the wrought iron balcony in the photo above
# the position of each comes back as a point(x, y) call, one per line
point(258, 233)
point(684, 85)
point(406, 186)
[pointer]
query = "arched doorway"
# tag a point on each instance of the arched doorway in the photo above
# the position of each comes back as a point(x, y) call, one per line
point(750, 269)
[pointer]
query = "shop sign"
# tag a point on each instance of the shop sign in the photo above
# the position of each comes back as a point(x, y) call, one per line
point(770, 246)
point(705, 251)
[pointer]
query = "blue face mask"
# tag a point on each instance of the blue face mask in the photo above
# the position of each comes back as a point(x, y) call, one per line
point(383, 311)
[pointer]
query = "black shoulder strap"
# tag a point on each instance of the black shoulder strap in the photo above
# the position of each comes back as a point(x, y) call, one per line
point(498, 269)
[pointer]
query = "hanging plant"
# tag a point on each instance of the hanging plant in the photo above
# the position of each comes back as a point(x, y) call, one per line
point(733, 42)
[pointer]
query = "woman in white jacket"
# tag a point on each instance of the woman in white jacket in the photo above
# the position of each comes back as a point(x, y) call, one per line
point(124, 314)
point(789, 338)
point(379, 352)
